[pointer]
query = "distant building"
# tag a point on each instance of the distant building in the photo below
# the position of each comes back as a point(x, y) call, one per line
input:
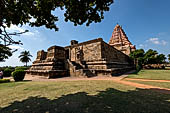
point(86, 59)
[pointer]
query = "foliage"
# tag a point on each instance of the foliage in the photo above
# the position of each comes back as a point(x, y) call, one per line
point(25, 57)
point(137, 56)
point(3, 68)
point(5, 52)
point(150, 57)
point(18, 75)
point(43, 13)
point(141, 57)
point(21, 68)
point(161, 58)
point(4, 80)
point(77, 11)
point(8, 71)
point(169, 58)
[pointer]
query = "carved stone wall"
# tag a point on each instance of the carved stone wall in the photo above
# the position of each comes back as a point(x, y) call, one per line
point(41, 55)
point(51, 63)
point(113, 55)
point(87, 51)
point(90, 58)
point(56, 53)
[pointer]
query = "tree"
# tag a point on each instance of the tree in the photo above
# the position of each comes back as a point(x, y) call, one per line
point(41, 13)
point(161, 59)
point(137, 56)
point(19, 12)
point(150, 57)
point(25, 57)
point(5, 52)
point(169, 58)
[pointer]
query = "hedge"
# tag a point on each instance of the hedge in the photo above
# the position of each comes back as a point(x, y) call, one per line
point(7, 72)
point(18, 75)
point(21, 68)
point(4, 80)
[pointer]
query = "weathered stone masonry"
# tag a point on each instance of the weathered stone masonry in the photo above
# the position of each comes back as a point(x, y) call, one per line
point(87, 59)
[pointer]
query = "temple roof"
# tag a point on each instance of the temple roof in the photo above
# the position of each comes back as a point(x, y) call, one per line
point(119, 37)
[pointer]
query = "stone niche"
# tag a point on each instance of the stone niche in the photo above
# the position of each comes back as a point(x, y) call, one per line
point(51, 63)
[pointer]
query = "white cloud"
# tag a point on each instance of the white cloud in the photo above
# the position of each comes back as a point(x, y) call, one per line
point(164, 42)
point(14, 28)
point(16, 47)
point(154, 40)
point(141, 45)
point(157, 41)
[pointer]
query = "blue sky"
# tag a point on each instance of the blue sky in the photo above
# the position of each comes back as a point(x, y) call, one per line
point(146, 23)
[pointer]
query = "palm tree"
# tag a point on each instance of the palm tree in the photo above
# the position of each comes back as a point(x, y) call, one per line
point(25, 57)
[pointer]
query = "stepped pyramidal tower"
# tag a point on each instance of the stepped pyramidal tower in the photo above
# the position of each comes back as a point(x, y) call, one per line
point(120, 41)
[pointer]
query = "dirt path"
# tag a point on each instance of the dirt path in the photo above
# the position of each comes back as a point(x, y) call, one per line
point(147, 80)
point(41, 78)
point(143, 86)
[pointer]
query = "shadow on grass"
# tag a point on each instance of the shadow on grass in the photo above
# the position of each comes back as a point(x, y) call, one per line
point(109, 101)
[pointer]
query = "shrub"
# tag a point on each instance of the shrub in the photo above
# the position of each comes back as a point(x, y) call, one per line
point(4, 80)
point(21, 68)
point(2, 68)
point(7, 72)
point(18, 75)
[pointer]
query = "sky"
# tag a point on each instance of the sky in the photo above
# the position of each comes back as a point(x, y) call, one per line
point(145, 22)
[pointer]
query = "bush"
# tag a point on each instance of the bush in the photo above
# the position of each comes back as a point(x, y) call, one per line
point(21, 68)
point(4, 80)
point(7, 72)
point(18, 75)
point(2, 68)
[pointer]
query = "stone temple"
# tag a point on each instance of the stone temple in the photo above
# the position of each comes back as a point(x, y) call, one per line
point(86, 59)
point(120, 41)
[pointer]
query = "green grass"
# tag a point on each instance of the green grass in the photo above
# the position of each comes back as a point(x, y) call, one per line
point(80, 97)
point(152, 74)
point(158, 84)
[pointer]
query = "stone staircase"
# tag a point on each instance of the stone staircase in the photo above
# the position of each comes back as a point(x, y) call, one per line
point(78, 69)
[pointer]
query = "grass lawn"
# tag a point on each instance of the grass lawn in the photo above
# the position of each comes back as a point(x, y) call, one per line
point(152, 74)
point(80, 97)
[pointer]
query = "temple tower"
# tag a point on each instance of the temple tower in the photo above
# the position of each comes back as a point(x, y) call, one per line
point(120, 41)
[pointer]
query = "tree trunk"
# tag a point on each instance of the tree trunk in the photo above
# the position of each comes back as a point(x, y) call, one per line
point(26, 64)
